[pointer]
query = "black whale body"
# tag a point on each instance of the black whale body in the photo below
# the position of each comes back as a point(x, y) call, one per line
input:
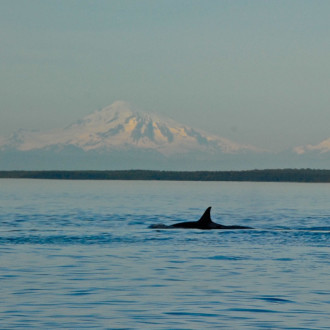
point(205, 222)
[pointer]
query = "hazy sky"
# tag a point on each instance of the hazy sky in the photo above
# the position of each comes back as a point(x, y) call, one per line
point(253, 71)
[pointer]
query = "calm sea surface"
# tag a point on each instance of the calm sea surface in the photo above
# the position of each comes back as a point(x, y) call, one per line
point(79, 254)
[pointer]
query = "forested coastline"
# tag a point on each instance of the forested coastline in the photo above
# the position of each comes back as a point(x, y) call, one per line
point(267, 175)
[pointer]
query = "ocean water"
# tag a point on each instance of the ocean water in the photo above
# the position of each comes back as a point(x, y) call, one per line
point(80, 255)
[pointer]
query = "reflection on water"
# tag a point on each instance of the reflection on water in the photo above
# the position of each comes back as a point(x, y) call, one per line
point(80, 255)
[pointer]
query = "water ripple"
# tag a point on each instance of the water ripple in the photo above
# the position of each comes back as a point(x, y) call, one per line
point(80, 255)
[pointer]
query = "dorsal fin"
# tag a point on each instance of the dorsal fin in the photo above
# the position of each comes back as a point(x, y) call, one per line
point(206, 217)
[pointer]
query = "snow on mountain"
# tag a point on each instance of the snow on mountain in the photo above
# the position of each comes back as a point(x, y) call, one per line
point(117, 127)
point(322, 148)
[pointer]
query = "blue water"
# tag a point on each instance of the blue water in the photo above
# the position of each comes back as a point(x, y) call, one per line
point(79, 254)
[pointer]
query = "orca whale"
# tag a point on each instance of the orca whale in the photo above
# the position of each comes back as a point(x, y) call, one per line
point(205, 222)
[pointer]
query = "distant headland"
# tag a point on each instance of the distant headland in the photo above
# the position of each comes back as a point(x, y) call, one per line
point(267, 175)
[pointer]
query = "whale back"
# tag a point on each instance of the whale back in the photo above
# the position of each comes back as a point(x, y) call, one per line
point(205, 222)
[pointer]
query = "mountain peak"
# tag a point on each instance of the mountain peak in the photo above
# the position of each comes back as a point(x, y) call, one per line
point(118, 127)
point(119, 107)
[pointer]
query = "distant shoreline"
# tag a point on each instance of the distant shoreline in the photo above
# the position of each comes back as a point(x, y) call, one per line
point(267, 175)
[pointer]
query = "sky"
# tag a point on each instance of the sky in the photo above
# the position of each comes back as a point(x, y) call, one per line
point(253, 71)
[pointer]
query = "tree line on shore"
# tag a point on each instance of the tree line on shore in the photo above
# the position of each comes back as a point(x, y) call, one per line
point(267, 175)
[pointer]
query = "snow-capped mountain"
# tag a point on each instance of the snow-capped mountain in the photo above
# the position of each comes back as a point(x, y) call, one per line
point(322, 147)
point(117, 137)
point(118, 127)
